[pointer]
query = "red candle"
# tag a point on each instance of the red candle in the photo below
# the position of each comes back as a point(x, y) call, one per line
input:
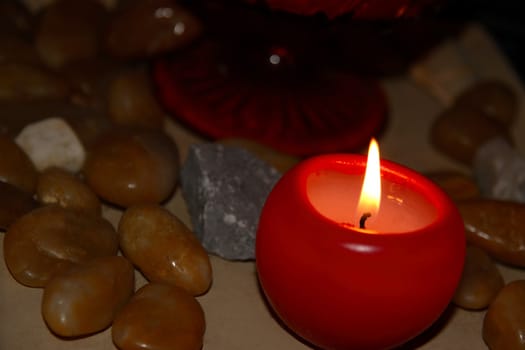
point(340, 286)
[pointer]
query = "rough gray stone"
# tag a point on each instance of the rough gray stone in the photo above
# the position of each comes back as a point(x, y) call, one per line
point(225, 189)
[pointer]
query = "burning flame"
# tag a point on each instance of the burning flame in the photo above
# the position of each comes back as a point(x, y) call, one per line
point(370, 197)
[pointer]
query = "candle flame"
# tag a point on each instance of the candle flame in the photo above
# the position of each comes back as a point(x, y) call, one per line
point(370, 197)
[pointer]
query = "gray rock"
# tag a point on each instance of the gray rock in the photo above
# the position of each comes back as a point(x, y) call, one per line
point(225, 189)
point(500, 171)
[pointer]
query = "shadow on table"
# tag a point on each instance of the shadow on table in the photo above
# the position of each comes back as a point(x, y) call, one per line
point(432, 332)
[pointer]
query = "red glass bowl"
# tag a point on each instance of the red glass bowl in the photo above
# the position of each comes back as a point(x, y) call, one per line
point(359, 9)
point(275, 78)
point(336, 111)
point(301, 85)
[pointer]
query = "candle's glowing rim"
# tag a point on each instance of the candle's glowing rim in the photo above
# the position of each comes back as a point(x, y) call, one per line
point(354, 164)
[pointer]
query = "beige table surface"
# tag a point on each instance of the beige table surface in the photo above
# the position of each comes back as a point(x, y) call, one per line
point(237, 317)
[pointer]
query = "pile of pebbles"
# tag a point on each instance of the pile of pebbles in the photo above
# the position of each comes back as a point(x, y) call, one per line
point(81, 128)
point(73, 76)
point(483, 115)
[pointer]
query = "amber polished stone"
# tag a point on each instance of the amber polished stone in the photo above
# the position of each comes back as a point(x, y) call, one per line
point(160, 317)
point(16, 168)
point(69, 31)
point(458, 132)
point(49, 239)
point(504, 324)
point(58, 186)
point(164, 249)
point(495, 98)
point(480, 282)
point(20, 81)
point(456, 185)
point(130, 166)
point(15, 203)
point(164, 26)
point(132, 101)
point(86, 297)
point(496, 226)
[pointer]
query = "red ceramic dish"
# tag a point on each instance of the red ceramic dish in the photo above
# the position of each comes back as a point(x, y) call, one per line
point(360, 9)
point(301, 85)
point(325, 112)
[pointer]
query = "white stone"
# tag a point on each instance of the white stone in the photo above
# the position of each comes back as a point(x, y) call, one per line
point(500, 171)
point(52, 142)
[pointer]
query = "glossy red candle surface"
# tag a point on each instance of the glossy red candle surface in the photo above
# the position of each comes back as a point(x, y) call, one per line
point(340, 287)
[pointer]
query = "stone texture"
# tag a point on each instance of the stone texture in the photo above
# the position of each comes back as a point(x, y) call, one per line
point(16, 168)
point(160, 317)
point(459, 132)
point(225, 189)
point(133, 166)
point(504, 324)
point(165, 26)
point(480, 282)
point(164, 249)
point(495, 98)
point(86, 297)
point(48, 240)
point(500, 171)
point(26, 82)
point(52, 143)
point(15, 203)
point(69, 31)
point(457, 186)
point(496, 226)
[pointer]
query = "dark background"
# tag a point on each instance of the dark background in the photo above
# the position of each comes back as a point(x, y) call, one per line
point(503, 19)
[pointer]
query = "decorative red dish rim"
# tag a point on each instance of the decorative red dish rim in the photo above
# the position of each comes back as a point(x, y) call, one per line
point(186, 108)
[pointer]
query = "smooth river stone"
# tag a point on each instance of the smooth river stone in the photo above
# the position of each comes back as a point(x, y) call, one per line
point(85, 298)
point(16, 49)
point(148, 28)
point(22, 82)
point(164, 249)
point(16, 168)
point(14, 204)
point(497, 227)
point(458, 132)
point(128, 167)
point(69, 31)
point(480, 281)
point(495, 98)
point(89, 83)
point(160, 317)
point(456, 185)
point(504, 322)
point(225, 189)
point(49, 239)
point(58, 186)
point(132, 102)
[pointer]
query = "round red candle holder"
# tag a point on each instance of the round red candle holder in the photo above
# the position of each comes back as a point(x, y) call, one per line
point(341, 287)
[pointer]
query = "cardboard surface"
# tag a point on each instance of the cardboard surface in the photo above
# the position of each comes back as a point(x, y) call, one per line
point(237, 316)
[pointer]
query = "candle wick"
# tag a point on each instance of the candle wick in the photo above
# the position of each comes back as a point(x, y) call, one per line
point(363, 220)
